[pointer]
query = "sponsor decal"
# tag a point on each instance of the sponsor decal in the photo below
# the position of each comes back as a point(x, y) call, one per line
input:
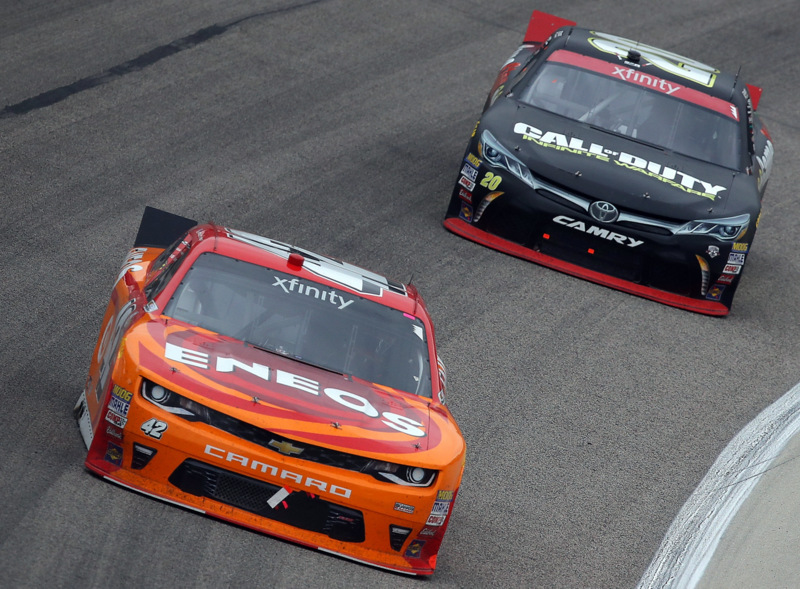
point(426, 531)
point(276, 472)
point(715, 293)
point(131, 263)
point(726, 279)
point(415, 548)
point(467, 183)
point(732, 269)
point(741, 247)
point(597, 231)
point(435, 520)
point(296, 287)
point(114, 432)
point(442, 379)
point(347, 399)
point(473, 160)
point(465, 195)
point(403, 507)
point(465, 213)
point(150, 307)
point(470, 172)
point(110, 342)
point(441, 507)
point(712, 251)
point(642, 79)
point(575, 145)
point(445, 495)
point(116, 419)
point(633, 73)
point(736, 258)
point(118, 406)
point(113, 454)
point(765, 163)
point(353, 277)
point(154, 428)
point(120, 401)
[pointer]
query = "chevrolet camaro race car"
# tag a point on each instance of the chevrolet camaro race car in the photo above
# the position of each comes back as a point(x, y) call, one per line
point(617, 162)
point(277, 389)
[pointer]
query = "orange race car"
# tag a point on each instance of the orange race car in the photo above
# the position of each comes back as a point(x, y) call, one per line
point(277, 389)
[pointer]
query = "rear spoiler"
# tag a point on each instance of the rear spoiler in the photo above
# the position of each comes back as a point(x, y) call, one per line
point(542, 25)
point(755, 95)
point(160, 229)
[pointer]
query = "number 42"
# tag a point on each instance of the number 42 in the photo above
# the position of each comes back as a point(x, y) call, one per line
point(154, 428)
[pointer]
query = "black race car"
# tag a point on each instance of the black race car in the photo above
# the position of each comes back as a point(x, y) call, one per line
point(617, 162)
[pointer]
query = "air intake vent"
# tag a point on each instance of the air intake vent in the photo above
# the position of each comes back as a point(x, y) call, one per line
point(397, 536)
point(141, 456)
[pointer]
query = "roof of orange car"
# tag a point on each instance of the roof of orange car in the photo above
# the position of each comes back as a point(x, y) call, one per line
point(303, 263)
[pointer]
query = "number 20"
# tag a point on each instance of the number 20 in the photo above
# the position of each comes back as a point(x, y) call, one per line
point(491, 181)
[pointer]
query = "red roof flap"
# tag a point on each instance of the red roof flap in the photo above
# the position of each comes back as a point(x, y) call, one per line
point(542, 25)
point(755, 95)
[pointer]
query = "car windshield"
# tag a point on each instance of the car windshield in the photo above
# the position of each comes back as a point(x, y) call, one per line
point(635, 111)
point(304, 320)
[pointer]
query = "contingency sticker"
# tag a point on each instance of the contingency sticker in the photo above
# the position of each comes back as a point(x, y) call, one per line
point(469, 171)
point(113, 454)
point(120, 401)
point(439, 513)
point(415, 548)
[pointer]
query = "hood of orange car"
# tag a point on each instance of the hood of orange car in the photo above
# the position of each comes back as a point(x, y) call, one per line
point(288, 397)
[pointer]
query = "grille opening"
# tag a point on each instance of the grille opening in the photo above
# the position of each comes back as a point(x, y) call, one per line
point(299, 509)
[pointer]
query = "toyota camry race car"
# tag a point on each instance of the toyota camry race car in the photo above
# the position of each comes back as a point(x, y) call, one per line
point(617, 162)
point(277, 389)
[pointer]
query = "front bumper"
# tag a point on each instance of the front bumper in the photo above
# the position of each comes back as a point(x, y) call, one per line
point(340, 512)
point(551, 227)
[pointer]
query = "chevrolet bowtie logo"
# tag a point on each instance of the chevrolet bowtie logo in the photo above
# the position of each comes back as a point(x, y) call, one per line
point(285, 447)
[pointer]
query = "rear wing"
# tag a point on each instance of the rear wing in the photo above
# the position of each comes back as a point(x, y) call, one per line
point(160, 229)
point(755, 95)
point(542, 25)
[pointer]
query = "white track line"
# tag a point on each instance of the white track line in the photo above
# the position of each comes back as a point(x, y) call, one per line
point(694, 535)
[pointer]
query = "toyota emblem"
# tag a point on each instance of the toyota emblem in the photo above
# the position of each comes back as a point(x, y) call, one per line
point(603, 211)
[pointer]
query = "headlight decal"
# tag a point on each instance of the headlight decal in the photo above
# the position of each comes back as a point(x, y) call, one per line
point(727, 229)
point(494, 154)
point(408, 476)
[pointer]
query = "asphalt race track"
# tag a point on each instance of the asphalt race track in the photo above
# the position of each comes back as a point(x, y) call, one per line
point(590, 415)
